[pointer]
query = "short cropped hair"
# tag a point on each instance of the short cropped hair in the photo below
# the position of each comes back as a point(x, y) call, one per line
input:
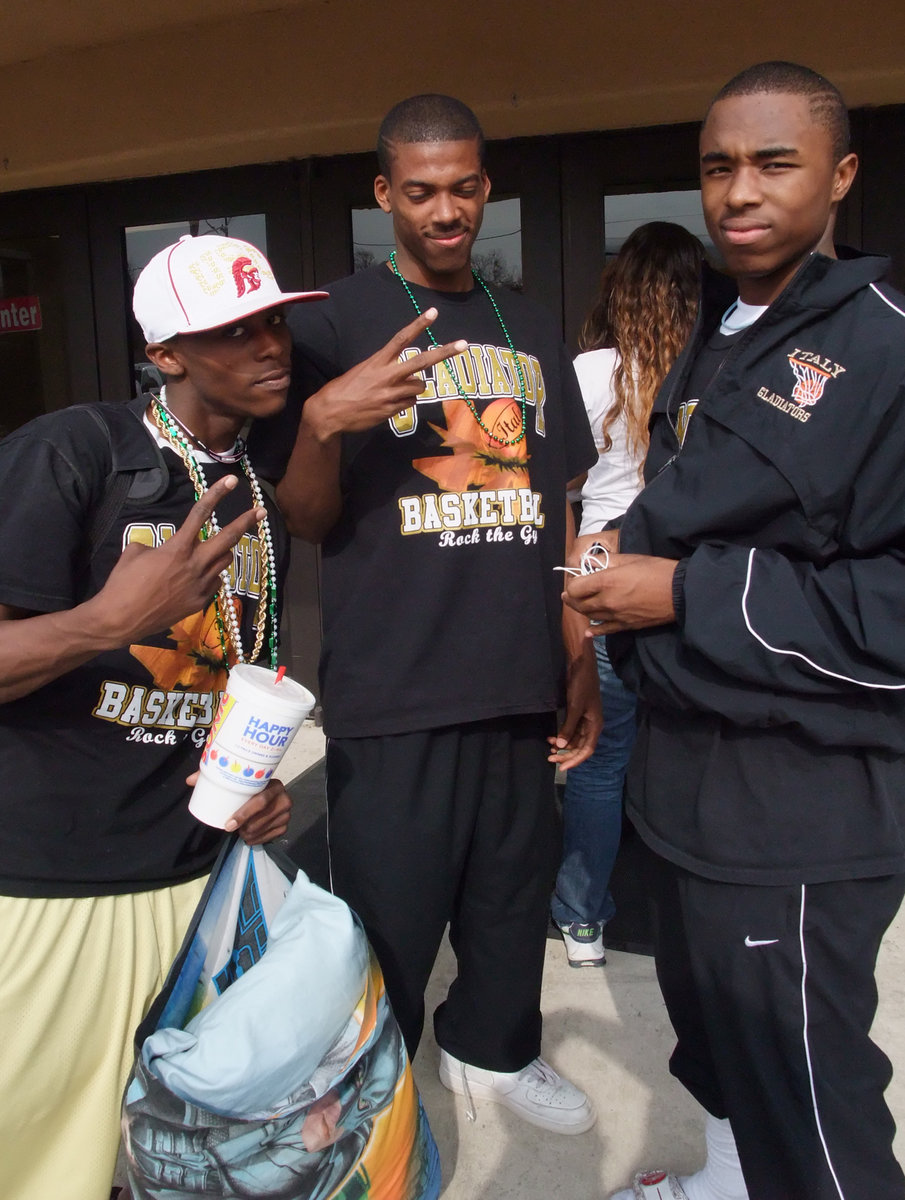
point(825, 100)
point(427, 118)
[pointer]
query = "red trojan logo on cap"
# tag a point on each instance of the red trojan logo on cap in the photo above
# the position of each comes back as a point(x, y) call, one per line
point(245, 273)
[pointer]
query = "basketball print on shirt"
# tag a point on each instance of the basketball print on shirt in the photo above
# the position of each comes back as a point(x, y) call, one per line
point(476, 460)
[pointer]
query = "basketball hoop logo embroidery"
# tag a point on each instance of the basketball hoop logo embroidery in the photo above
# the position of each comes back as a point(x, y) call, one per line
point(810, 381)
point(245, 273)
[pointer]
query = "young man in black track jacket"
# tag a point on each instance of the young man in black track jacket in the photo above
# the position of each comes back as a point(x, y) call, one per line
point(756, 605)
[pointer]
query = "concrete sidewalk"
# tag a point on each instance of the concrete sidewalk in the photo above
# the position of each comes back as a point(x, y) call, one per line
point(607, 1030)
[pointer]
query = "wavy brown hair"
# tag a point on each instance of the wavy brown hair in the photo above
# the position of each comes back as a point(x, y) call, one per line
point(645, 310)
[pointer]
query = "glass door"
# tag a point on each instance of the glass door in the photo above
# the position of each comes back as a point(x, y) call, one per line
point(613, 182)
point(47, 353)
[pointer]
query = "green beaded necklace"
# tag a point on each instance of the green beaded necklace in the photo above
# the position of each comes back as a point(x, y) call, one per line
point(224, 610)
point(452, 374)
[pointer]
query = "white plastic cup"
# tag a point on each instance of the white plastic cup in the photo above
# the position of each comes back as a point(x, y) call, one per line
point(257, 719)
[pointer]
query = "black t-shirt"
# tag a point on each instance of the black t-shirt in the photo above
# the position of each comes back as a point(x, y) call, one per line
point(93, 798)
point(441, 605)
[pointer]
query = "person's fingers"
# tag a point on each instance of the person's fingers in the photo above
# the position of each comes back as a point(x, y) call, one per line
point(201, 510)
point(259, 827)
point(259, 835)
point(399, 341)
point(577, 602)
point(566, 730)
point(574, 741)
point(261, 818)
point(580, 587)
point(436, 354)
point(264, 816)
point(263, 829)
point(133, 550)
point(229, 535)
point(403, 339)
point(249, 810)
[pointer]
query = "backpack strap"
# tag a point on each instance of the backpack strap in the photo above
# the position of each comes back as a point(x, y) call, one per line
point(137, 472)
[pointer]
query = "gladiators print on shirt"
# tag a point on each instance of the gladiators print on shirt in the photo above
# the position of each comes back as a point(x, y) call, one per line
point(187, 665)
point(486, 486)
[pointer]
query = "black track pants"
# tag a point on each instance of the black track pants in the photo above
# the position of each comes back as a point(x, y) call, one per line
point(458, 826)
point(771, 993)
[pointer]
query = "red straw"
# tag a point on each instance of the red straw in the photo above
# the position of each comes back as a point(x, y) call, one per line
point(280, 673)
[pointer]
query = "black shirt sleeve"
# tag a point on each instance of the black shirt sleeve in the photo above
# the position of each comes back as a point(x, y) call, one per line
point(52, 472)
point(581, 451)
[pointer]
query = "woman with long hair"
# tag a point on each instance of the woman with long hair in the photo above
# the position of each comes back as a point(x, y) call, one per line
point(640, 321)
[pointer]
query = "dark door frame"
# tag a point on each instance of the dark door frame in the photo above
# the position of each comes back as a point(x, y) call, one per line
point(64, 214)
point(881, 142)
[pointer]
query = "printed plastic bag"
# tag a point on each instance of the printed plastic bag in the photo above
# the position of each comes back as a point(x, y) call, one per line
point(280, 1074)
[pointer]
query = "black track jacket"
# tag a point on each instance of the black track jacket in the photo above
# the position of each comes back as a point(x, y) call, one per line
point(772, 739)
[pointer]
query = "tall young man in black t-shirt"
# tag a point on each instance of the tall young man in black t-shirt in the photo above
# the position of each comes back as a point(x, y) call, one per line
point(441, 522)
point(756, 609)
point(113, 655)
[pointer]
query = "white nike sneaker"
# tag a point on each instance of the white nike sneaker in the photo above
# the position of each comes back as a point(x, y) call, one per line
point(536, 1093)
point(584, 944)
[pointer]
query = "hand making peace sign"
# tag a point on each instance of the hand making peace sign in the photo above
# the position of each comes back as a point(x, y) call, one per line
point(378, 388)
point(149, 590)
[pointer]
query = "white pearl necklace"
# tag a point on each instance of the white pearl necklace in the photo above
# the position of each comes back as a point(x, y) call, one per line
point(172, 429)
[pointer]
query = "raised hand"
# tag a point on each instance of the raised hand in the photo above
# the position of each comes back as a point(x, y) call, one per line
point(149, 590)
point(378, 388)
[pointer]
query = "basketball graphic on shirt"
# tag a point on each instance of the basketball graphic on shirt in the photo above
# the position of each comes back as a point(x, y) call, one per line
point(475, 460)
point(504, 420)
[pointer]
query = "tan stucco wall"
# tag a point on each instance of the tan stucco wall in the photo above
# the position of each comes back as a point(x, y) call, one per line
point(317, 77)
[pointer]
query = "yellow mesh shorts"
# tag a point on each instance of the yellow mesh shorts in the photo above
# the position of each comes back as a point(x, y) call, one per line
point(77, 977)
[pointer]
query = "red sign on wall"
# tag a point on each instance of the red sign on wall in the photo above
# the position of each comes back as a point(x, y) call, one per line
point(20, 314)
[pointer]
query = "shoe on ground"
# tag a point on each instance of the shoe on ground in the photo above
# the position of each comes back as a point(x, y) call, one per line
point(653, 1185)
point(584, 944)
point(536, 1093)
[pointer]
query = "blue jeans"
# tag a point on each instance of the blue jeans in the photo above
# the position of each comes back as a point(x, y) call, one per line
point(592, 808)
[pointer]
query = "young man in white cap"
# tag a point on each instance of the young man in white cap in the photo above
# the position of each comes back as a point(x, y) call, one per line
point(757, 604)
point(121, 608)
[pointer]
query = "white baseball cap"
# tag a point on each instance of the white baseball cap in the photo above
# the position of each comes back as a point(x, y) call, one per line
point(204, 282)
